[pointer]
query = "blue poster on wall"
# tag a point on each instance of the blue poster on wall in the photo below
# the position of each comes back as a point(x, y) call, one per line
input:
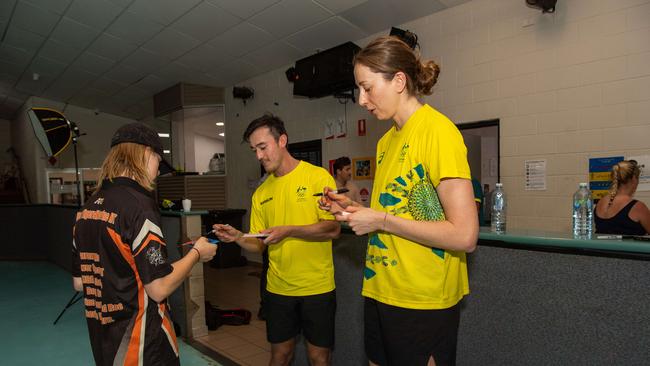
point(600, 175)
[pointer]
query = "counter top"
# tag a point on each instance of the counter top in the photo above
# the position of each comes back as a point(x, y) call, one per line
point(182, 213)
point(564, 240)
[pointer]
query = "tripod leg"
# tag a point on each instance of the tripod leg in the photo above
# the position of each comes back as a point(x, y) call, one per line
point(72, 301)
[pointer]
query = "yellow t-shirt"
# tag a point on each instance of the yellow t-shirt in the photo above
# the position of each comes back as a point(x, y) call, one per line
point(296, 267)
point(410, 164)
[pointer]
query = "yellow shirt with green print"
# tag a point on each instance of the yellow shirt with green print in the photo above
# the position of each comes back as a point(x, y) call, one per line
point(411, 162)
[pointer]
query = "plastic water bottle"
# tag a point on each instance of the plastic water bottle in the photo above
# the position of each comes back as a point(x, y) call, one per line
point(583, 213)
point(498, 210)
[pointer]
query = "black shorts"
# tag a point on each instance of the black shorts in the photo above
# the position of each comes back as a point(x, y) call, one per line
point(286, 316)
point(408, 337)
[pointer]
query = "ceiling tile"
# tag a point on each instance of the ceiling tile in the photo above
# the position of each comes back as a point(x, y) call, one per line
point(14, 55)
point(60, 92)
point(34, 87)
point(162, 41)
point(274, 56)
point(243, 9)
point(74, 33)
point(154, 84)
point(34, 19)
point(205, 21)
point(205, 58)
point(134, 28)
point(58, 51)
point(142, 59)
point(57, 6)
point(88, 98)
point(162, 11)
point(9, 72)
point(176, 71)
point(111, 47)
point(107, 86)
point(241, 39)
point(125, 74)
point(374, 16)
point(138, 111)
point(45, 66)
point(93, 63)
point(325, 35)
point(6, 7)
point(236, 71)
point(24, 40)
point(76, 77)
point(281, 20)
point(337, 6)
point(68, 84)
point(94, 13)
point(121, 3)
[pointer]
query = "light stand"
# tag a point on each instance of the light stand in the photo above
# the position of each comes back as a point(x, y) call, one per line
point(75, 137)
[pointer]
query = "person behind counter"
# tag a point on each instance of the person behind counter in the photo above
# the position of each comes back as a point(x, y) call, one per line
point(422, 218)
point(343, 177)
point(119, 257)
point(618, 212)
point(300, 294)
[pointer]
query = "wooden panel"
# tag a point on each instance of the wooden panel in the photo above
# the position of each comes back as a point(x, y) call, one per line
point(168, 100)
point(182, 95)
point(199, 95)
point(207, 192)
point(171, 188)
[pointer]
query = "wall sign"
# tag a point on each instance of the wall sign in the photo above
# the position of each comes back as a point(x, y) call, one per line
point(535, 175)
point(361, 127)
point(600, 174)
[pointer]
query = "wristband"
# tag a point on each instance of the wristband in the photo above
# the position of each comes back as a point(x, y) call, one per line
point(197, 252)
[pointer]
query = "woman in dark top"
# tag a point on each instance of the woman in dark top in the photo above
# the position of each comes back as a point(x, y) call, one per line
point(618, 212)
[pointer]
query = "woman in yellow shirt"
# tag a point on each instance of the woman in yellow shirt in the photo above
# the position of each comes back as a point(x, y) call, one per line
point(422, 218)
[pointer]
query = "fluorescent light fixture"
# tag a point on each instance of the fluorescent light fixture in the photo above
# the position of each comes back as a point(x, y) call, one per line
point(220, 123)
point(163, 134)
point(222, 134)
point(166, 151)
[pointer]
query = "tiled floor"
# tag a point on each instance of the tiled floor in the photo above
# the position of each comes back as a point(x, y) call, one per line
point(237, 288)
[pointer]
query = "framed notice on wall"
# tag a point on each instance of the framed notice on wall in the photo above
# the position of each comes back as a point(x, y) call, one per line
point(535, 175)
point(363, 168)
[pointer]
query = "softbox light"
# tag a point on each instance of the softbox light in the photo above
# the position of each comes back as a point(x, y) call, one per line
point(52, 130)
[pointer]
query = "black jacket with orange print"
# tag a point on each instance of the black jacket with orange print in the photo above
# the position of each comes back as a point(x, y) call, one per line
point(118, 247)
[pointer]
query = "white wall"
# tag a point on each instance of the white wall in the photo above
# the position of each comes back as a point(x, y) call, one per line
point(567, 86)
point(204, 149)
point(91, 148)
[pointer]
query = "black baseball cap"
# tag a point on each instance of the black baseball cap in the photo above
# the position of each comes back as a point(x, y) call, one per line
point(144, 135)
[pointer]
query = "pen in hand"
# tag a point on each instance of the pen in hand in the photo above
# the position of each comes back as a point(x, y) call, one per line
point(339, 191)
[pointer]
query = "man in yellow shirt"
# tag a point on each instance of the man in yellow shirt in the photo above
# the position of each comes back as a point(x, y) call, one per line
point(300, 280)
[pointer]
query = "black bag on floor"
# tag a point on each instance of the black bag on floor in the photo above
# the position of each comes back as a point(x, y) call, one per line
point(215, 317)
point(235, 316)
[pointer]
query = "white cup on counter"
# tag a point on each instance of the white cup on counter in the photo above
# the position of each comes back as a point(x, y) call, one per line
point(187, 205)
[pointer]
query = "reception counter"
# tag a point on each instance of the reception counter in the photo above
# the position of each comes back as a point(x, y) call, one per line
point(536, 298)
point(540, 298)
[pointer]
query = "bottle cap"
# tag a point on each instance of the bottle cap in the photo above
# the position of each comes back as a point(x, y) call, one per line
point(583, 184)
point(499, 184)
